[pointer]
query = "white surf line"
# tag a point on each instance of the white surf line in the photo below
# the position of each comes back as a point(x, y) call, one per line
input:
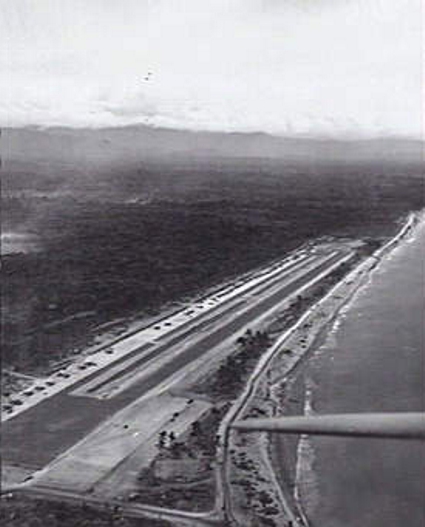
point(408, 225)
point(272, 475)
point(302, 465)
point(151, 366)
point(365, 267)
point(355, 278)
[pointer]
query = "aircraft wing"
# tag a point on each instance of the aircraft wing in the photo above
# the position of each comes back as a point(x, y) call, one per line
point(400, 425)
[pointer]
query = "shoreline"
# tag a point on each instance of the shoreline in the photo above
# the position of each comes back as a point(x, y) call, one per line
point(259, 387)
point(276, 370)
point(295, 377)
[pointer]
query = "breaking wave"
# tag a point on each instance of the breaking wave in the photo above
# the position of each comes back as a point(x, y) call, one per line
point(306, 481)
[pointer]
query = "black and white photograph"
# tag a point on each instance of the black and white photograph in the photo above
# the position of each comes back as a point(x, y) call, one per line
point(212, 263)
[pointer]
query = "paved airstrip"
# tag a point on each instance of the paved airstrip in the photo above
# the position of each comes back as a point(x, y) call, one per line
point(106, 403)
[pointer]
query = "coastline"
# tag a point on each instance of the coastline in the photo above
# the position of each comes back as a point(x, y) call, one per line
point(371, 362)
point(294, 380)
point(276, 374)
point(274, 370)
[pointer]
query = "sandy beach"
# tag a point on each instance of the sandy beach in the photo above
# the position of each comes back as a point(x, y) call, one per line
point(277, 376)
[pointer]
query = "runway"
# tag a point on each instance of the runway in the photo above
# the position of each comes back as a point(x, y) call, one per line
point(36, 436)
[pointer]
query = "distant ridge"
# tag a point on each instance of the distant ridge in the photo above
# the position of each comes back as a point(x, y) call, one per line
point(133, 144)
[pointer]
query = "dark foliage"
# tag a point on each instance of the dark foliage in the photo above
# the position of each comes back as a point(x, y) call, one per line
point(25, 512)
point(131, 242)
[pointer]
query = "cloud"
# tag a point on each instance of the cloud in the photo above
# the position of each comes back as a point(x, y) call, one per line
point(345, 67)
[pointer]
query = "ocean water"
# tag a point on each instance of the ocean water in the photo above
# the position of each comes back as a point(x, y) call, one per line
point(373, 360)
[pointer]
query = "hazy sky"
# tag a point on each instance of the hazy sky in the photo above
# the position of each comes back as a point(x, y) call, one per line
point(283, 66)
